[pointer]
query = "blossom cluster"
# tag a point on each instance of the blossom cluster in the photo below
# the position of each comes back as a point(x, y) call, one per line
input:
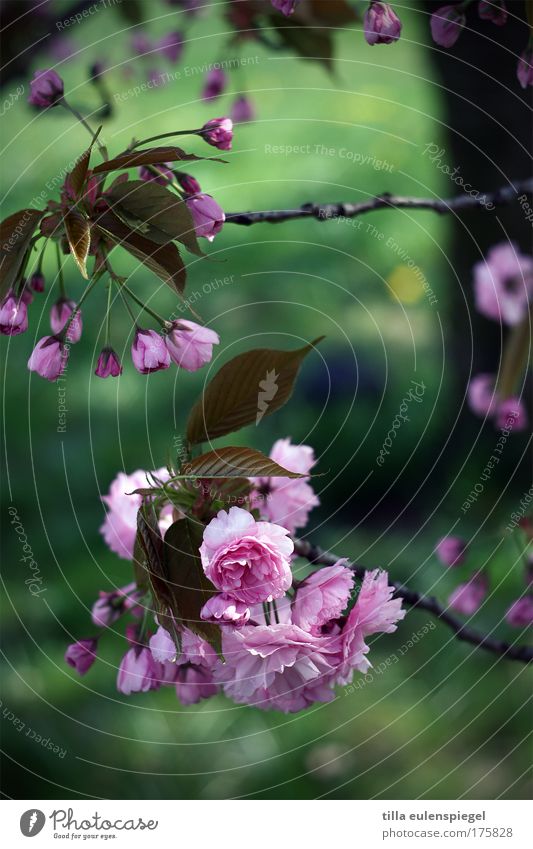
point(285, 643)
point(467, 597)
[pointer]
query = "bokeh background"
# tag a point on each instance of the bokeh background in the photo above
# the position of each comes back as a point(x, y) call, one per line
point(446, 720)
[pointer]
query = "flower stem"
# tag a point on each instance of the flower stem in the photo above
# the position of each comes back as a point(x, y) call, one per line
point(60, 272)
point(102, 148)
point(166, 136)
point(108, 315)
point(163, 322)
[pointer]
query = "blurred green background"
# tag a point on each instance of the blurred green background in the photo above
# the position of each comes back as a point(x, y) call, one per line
point(445, 721)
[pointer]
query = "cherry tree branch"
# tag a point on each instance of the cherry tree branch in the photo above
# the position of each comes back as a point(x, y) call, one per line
point(327, 211)
point(314, 554)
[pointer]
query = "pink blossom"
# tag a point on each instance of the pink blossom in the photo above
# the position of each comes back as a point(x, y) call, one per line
point(149, 352)
point(520, 613)
point(46, 89)
point(81, 655)
point(247, 559)
point(512, 414)
point(141, 43)
point(193, 684)
point(13, 315)
point(108, 364)
point(382, 24)
point(374, 611)
point(218, 132)
point(524, 69)
point(242, 110)
point(446, 25)
point(49, 357)
point(111, 605)
point(197, 651)
point(208, 217)
point(171, 46)
point(189, 184)
point(162, 646)
point(287, 501)
point(287, 7)
point(60, 314)
point(120, 526)
point(493, 10)
point(467, 598)
point(451, 551)
point(215, 83)
point(278, 666)
point(222, 609)
point(503, 283)
point(138, 672)
point(482, 398)
point(190, 345)
point(322, 597)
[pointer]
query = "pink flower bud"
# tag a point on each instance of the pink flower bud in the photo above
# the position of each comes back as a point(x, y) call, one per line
point(141, 43)
point(467, 598)
point(166, 175)
point(382, 24)
point(194, 683)
point(46, 89)
point(108, 364)
point(60, 314)
point(446, 25)
point(13, 315)
point(524, 70)
point(190, 345)
point(218, 132)
point(222, 609)
point(482, 399)
point(171, 46)
point(37, 281)
point(215, 83)
point(149, 352)
point(287, 7)
point(49, 357)
point(137, 672)
point(207, 215)
point(242, 110)
point(81, 655)
point(512, 414)
point(520, 613)
point(189, 184)
point(451, 551)
point(493, 10)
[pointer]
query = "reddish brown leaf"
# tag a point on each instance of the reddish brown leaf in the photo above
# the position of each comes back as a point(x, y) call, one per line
point(235, 462)
point(15, 236)
point(153, 156)
point(79, 238)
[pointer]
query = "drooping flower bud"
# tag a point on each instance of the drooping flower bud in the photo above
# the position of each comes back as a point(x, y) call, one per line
point(218, 132)
point(149, 352)
point(451, 551)
point(13, 315)
point(524, 70)
point(520, 613)
point(242, 110)
point(215, 83)
point(81, 655)
point(207, 215)
point(49, 357)
point(37, 281)
point(190, 345)
point(382, 24)
point(482, 398)
point(108, 364)
point(60, 314)
point(467, 598)
point(171, 46)
point(493, 10)
point(190, 185)
point(46, 89)
point(137, 672)
point(446, 25)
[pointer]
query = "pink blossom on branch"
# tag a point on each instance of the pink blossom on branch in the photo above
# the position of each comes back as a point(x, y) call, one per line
point(190, 345)
point(287, 501)
point(208, 217)
point(46, 89)
point(520, 613)
point(249, 560)
point(482, 398)
point(223, 609)
point(138, 672)
point(451, 551)
point(503, 283)
point(218, 132)
point(108, 364)
point(467, 598)
point(49, 357)
point(81, 655)
point(322, 597)
point(149, 352)
point(382, 24)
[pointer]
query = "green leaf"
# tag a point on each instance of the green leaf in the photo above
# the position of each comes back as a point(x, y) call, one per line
point(234, 462)
point(152, 156)
point(160, 214)
point(252, 385)
point(163, 260)
point(188, 585)
point(15, 236)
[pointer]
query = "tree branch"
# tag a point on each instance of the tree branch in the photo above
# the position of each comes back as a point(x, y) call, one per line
point(327, 211)
point(314, 554)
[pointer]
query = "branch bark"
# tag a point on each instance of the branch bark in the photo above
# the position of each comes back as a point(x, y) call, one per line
point(327, 211)
point(524, 654)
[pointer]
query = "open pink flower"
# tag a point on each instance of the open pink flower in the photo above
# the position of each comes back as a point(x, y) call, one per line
point(149, 352)
point(503, 283)
point(49, 357)
point(120, 525)
point(190, 345)
point(81, 655)
point(278, 666)
point(322, 597)
point(382, 24)
point(223, 609)
point(249, 560)
point(520, 613)
point(451, 551)
point(468, 597)
point(287, 501)
point(138, 672)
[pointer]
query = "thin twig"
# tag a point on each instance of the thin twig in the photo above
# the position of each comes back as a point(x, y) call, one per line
point(327, 211)
point(314, 554)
